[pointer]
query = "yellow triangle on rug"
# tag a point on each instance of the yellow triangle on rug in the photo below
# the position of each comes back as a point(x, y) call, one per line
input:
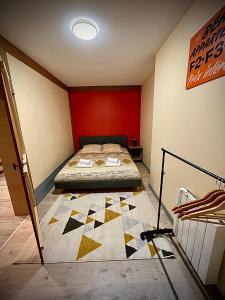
point(110, 215)
point(128, 237)
point(87, 245)
point(152, 250)
point(53, 220)
point(107, 199)
point(89, 220)
point(74, 212)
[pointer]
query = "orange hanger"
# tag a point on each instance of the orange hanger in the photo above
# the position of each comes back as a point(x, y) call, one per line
point(178, 208)
point(201, 202)
point(206, 212)
point(212, 201)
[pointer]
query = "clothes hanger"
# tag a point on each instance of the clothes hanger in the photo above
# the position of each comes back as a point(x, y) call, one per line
point(213, 201)
point(214, 198)
point(219, 190)
point(218, 205)
point(218, 214)
point(207, 198)
point(213, 218)
point(205, 212)
point(194, 201)
point(200, 202)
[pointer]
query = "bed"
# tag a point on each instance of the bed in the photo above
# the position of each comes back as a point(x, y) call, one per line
point(98, 176)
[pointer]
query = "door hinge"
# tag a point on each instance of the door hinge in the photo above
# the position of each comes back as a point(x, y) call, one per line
point(12, 89)
point(24, 163)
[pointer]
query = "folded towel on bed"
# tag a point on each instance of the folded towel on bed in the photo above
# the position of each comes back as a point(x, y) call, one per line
point(108, 164)
point(112, 162)
point(85, 163)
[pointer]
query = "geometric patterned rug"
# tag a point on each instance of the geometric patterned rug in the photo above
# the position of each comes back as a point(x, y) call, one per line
point(100, 226)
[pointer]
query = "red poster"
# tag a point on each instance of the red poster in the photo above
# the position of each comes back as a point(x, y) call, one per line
point(207, 52)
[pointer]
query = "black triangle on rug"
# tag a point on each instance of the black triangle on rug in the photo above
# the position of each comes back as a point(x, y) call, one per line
point(91, 212)
point(97, 224)
point(167, 254)
point(122, 198)
point(130, 250)
point(131, 206)
point(71, 225)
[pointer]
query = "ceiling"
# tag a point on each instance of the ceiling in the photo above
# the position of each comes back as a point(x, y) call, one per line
point(131, 32)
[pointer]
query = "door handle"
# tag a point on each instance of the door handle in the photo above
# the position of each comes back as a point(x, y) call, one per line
point(24, 165)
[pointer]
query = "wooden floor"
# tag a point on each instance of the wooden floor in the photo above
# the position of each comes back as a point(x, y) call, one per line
point(8, 221)
point(125, 280)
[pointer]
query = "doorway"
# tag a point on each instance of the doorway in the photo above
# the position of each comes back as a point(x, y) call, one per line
point(13, 154)
point(9, 222)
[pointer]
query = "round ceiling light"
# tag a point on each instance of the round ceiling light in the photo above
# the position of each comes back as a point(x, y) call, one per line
point(85, 29)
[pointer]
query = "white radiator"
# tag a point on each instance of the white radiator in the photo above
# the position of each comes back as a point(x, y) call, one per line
point(203, 243)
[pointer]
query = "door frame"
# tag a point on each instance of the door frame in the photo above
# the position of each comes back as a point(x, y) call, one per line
point(7, 96)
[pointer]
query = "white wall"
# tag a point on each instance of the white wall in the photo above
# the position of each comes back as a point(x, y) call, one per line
point(147, 97)
point(44, 115)
point(190, 123)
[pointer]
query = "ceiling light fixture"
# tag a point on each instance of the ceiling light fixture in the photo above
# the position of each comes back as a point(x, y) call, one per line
point(84, 29)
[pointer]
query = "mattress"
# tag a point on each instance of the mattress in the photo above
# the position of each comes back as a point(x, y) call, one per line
point(98, 176)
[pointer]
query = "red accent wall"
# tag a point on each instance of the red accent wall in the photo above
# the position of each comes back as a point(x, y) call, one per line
point(112, 112)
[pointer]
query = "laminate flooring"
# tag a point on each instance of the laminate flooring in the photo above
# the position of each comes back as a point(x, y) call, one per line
point(113, 280)
point(8, 221)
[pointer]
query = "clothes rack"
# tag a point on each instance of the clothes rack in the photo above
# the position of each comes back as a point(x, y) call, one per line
point(151, 234)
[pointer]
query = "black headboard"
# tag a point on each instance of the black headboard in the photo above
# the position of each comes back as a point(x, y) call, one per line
point(115, 139)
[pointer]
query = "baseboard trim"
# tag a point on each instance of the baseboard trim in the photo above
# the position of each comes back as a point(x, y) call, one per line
point(146, 167)
point(163, 206)
point(44, 188)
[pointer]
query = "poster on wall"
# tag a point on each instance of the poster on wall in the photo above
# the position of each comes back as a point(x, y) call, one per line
point(207, 52)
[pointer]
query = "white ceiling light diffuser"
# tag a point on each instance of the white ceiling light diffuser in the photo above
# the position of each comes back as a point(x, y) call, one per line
point(85, 29)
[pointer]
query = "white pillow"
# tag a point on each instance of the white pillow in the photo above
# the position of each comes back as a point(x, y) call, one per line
point(111, 148)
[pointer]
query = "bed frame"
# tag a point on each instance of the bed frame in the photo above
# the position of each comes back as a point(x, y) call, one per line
point(115, 139)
